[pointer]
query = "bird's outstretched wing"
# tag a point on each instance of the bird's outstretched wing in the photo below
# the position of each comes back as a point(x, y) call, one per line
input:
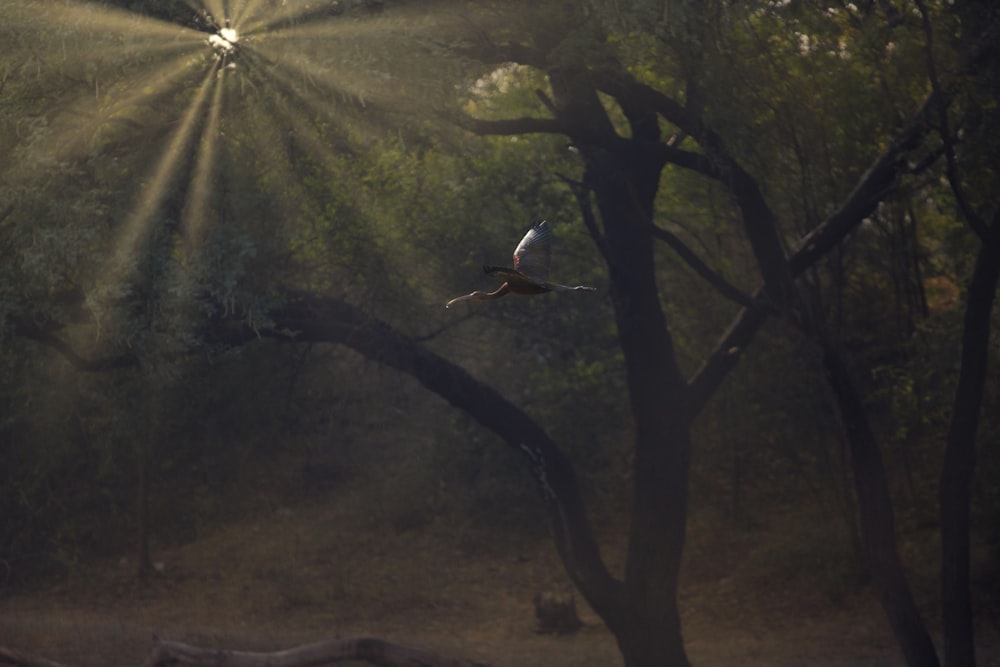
point(534, 253)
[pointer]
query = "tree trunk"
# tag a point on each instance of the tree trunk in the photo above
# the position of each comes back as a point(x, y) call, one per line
point(143, 566)
point(960, 455)
point(877, 522)
point(625, 183)
point(143, 563)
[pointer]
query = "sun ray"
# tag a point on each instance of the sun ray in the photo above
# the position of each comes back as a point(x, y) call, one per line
point(51, 19)
point(124, 54)
point(126, 96)
point(195, 212)
point(198, 7)
point(248, 10)
point(347, 57)
point(348, 27)
point(302, 73)
point(219, 7)
point(263, 21)
point(215, 8)
point(317, 85)
point(137, 223)
point(335, 149)
point(336, 108)
point(104, 120)
point(291, 146)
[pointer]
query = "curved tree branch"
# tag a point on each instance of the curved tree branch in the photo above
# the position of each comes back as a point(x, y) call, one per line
point(28, 329)
point(878, 180)
point(315, 319)
point(311, 318)
point(717, 163)
point(714, 278)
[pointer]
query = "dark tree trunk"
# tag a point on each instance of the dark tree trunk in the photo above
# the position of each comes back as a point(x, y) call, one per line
point(662, 447)
point(877, 522)
point(624, 176)
point(143, 565)
point(960, 455)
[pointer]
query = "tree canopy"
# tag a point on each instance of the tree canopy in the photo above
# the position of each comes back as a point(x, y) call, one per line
point(786, 206)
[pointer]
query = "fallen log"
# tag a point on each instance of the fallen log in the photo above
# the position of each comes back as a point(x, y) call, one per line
point(19, 659)
point(368, 649)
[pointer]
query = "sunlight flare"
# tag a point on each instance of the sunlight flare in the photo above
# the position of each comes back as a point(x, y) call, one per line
point(56, 20)
point(109, 114)
point(137, 224)
point(246, 12)
point(224, 41)
point(195, 213)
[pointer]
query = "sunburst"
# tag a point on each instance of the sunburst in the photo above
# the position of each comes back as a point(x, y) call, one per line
point(282, 76)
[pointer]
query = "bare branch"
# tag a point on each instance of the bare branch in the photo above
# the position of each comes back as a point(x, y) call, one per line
point(875, 183)
point(33, 332)
point(727, 289)
point(546, 100)
point(714, 278)
point(716, 162)
point(434, 333)
point(326, 319)
point(622, 86)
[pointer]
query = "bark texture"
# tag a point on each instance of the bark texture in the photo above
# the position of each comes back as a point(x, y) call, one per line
point(367, 649)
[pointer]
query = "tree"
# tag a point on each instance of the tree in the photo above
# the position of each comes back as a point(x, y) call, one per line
point(621, 175)
point(614, 85)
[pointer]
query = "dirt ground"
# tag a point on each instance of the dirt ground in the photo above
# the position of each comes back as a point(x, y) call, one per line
point(122, 635)
point(299, 576)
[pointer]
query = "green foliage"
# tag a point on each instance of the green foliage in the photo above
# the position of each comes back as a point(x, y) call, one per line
point(333, 172)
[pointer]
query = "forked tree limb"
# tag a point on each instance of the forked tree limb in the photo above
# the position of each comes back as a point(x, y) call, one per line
point(314, 318)
point(713, 277)
point(368, 649)
point(689, 256)
point(879, 179)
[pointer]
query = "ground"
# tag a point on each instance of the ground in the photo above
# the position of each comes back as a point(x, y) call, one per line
point(294, 576)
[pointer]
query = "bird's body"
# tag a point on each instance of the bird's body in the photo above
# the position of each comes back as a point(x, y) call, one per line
point(531, 269)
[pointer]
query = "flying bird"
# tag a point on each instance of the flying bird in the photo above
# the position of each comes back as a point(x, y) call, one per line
point(531, 269)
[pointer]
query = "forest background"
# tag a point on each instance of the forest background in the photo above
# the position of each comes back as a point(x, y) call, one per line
point(227, 234)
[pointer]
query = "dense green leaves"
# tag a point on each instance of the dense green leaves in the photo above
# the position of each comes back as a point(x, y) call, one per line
point(149, 192)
